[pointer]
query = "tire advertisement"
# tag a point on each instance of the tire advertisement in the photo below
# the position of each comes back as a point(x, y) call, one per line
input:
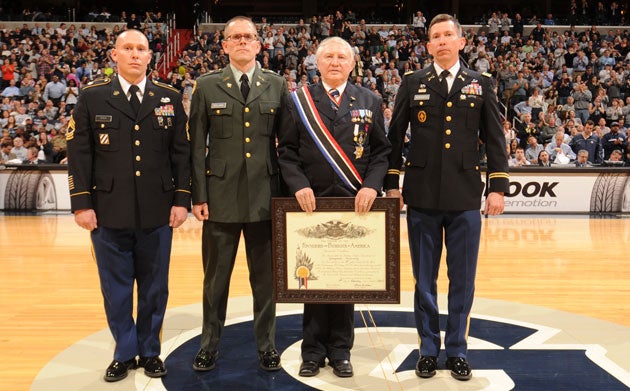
point(30, 188)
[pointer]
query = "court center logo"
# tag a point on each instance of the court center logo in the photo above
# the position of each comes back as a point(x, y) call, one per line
point(505, 355)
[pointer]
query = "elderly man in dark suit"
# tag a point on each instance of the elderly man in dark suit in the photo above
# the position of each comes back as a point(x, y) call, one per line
point(129, 180)
point(233, 125)
point(450, 109)
point(352, 117)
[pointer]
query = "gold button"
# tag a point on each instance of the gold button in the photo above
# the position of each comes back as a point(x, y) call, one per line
point(137, 173)
point(421, 103)
point(409, 163)
point(447, 146)
point(138, 158)
point(137, 142)
point(248, 154)
point(102, 126)
point(247, 139)
point(472, 104)
point(247, 124)
point(272, 110)
point(136, 127)
point(448, 132)
point(207, 172)
point(448, 118)
point(477, 168)
point(449, 104)
point(247, 109)
point(218, 111)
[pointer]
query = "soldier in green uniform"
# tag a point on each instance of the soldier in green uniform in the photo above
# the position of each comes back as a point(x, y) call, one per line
point(233, 124)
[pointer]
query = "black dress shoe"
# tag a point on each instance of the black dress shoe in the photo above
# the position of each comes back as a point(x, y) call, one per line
point(342, 368)
point(270, 361)
point(426, 366)
point(153, 366)
point(459, 367)
point(118, 370)
point(205, 360)
point(310, 368)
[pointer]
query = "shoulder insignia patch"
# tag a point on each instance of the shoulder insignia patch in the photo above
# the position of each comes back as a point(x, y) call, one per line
point(486, 74)
point(167, 86)
point(210, 73)
point(71, 127)
point(97, 83)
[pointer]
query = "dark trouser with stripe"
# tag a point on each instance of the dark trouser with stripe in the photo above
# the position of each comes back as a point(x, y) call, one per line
point(461, 232)
point(124, 256)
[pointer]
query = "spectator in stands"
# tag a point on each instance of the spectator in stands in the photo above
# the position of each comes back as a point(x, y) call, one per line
point(615, 159)
point(533, 149)
point(18, 148)
point(32, 156)
point(582, 159)
point(508, 131)
point(543, 159)
point(5, 152)
point(590, 142)
point(559, 147)
point(582, 97)
point(8, 69)
point(613, 140)
point(525, 129)
point(519, 158)
point(54, 90)
point(11, 90)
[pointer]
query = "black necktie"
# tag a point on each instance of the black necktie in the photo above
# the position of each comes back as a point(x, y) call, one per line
point(443, 82)
point(335, 94)
point(133, 100)
point(244, 86)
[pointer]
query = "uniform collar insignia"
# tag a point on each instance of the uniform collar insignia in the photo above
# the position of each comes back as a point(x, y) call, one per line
point(116, 92)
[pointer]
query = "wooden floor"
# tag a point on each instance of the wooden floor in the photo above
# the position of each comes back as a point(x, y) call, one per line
point(50, 297)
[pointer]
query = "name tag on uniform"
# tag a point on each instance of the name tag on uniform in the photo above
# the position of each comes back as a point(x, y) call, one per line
point(103, 118)
point(422, 97)
point(218, 105)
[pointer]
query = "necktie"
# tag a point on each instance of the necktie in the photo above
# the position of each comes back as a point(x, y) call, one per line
point(443, 82)
point(133, 100)
point(335, 95)
point(244, 86)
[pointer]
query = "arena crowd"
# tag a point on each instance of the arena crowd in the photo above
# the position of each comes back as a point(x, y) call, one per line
point(565, 93)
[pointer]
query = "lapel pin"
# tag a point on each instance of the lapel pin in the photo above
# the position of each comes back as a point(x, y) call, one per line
point(151, 93)
point(116, 93)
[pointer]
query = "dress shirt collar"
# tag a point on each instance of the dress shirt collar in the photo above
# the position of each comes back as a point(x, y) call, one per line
point(124, 84)
point(237, 75)
point(341, 88)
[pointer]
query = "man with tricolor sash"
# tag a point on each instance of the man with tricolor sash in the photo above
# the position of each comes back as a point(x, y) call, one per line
point(332, 143)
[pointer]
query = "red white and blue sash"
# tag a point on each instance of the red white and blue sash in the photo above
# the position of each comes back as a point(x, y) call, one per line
point(325, 142)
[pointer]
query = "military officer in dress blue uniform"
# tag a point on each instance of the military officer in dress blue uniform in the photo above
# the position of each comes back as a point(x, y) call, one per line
point(450, 109)
point(352, 116)
point(233, 126)
point(129, 180)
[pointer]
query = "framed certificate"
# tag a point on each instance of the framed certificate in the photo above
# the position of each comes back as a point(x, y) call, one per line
point(334, 255)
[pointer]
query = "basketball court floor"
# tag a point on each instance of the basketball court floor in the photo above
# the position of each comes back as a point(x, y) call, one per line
point(551, 313)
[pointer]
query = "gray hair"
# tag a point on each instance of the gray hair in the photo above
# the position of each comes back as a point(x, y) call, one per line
point(328, 41)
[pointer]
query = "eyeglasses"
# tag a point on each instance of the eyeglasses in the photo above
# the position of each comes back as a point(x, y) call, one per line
point(247, 37)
